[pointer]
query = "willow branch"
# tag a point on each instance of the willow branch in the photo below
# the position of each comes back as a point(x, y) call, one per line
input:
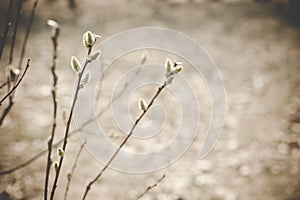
point(7, 26)
point(87, 61)
point(88, 187)
point(14, 33)
point(54, 99)
point(16, 85)
point(27, 33)
point(70, 175)
point(151, 187)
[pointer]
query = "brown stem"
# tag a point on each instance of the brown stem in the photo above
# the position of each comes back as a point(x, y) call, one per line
point(14, 33)
point(27, 33)
point(151, 187)
point(7, 26)
point(88, 187)
point(18, 83)
point(70, 175)
point(87, 61)
point(54, 99)
point(35, 157)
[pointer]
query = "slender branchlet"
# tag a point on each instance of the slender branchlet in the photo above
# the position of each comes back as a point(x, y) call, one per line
point(71, 173)
point(27, 33)
point(58, 143)
point(171, 70)
point(54, 38)
point(151, 187)
point(14, 33)
point(89, 40)
point(17, 84)
point(10, 93)
point(7, 26)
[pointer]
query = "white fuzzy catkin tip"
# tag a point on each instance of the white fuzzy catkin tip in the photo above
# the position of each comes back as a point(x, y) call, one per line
point(60, 152)
point(142, 104)
point(94, 56)
point(75, 64)
point(89, 39)
point(168, 66)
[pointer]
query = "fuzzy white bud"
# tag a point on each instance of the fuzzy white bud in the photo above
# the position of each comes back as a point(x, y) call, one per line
point(55, 165)
point(94, 56)
point(142, 104)
point(168, 66)
point(75, 64)
point(60, 152)
point(89, 39)
point(169, 80)
point(85, 80)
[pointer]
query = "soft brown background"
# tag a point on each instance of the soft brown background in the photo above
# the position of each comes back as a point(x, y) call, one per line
point(254, 44)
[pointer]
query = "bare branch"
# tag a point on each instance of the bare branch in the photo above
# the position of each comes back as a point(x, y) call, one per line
point(7, 26)
point(16, 85)
point(54, 39)
point(87, 61)
point(151, 187)
point(88, 187)
point(70, 175)
point(27, 33)
point(14, 33)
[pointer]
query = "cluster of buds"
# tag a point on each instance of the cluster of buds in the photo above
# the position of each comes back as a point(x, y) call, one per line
point(172, 68)
point(89, 40)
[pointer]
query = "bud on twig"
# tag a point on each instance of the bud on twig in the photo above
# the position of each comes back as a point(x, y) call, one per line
point(13, 74)
point(54, 27)
point(142, 104)
point(60, 152)
point(89, 39)
point(168, 65)
point(169, 80)
point(94, 56)
point(75, 64)
point(86, 79)
point(55, 165)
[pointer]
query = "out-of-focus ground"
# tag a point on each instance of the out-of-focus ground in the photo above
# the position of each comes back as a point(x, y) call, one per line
point(256, 48)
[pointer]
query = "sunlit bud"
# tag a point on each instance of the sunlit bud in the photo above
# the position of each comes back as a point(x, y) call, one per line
point(55, 165)
point(75, 64)
point(60, 152)
point(13, 74)
point(142, 104)
point(169, 80)
point(89, 39)
point(168, 66)
point(94, 56)
point(178, 69)
point(69, 175)
point(54, 27)
point(85, 80)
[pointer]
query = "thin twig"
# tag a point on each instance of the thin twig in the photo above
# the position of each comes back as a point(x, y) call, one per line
point(54, 39)
point(7, 26)
point(151, 187)
point(14, 33)
point(87, 61)
point(18, 83)
point(100, 113)
point(88, 187)
point(70, 175)
point(27, 33)
point(3, 84)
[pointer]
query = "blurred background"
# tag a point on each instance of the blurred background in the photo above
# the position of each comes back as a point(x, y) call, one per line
point(255, 45)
